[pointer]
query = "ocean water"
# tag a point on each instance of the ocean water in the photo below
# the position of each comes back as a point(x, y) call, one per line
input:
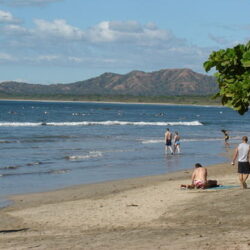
point(50, 145)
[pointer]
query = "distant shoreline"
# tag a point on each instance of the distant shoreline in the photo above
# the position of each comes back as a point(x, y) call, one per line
point(113, 102)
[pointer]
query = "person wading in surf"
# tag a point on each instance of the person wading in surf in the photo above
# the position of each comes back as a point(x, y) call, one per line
point(168, 141)
point(177, 142)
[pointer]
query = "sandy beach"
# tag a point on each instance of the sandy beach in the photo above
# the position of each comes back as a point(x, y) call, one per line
point(141, 213)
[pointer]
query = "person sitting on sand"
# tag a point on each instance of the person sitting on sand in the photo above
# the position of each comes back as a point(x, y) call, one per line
point(199, 178)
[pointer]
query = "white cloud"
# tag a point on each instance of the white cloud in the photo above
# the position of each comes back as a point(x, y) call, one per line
point(14, 29)
point(27, 2)
point(128, 26)
point(129, 31)
point(75, 59)
point(58, 28)
point(47, 58)
point(5, 57)
point(7, 17)
point(101, 33)
point(108, 45)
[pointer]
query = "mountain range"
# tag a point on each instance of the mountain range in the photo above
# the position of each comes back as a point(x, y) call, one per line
point(165, 82)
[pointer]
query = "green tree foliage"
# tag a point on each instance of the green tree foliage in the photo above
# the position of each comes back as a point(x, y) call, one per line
point(233, 75)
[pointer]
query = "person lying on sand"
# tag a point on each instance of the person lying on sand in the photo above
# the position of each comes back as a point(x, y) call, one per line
point(199, 179)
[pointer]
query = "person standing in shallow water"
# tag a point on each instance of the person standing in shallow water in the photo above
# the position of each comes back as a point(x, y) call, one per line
point(177, 142)
point(226, 137)
point(242, 153)
point(168, 141)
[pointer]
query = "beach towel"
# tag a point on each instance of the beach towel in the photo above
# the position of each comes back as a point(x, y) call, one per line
point(224, 187)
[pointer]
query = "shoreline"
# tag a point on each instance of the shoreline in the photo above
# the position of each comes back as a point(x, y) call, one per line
point(120, 185)
point(9, 200)
point(99, 189)
point(113, 102)
point(138, 213)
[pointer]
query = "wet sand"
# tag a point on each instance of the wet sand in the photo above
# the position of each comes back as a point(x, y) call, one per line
point(141, 213)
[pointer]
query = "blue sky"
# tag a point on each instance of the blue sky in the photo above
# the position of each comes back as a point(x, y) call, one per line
point(62, 41)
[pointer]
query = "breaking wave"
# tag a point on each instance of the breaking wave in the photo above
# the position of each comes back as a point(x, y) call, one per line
point(152, 141)
point(94, 154)
point(104, 123)
point(182, 140)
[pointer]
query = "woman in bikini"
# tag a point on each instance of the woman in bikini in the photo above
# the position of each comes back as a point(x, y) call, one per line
point(226, 137)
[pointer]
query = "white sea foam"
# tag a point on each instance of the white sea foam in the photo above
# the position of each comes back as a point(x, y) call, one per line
point(182, 140)
point(202, 139)
point(104, 123)
point(59, 171)
point(152, 141)
point(20, 124)
point(92, 154)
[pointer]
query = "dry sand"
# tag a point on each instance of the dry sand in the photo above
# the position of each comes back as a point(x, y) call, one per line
point(142, 213)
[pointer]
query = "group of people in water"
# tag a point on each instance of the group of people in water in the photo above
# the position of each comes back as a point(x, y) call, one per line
point(175, 147)
point(199, 175)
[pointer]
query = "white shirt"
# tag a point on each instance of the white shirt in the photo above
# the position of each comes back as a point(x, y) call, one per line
point(243, 150)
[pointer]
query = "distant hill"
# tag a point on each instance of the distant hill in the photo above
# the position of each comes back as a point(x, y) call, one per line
point(166, 82)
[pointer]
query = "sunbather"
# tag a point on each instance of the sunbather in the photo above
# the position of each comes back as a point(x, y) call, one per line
point(199, 179)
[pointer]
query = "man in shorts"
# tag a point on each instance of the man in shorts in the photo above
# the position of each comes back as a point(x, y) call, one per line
point(168, 141)
point(242, 153)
